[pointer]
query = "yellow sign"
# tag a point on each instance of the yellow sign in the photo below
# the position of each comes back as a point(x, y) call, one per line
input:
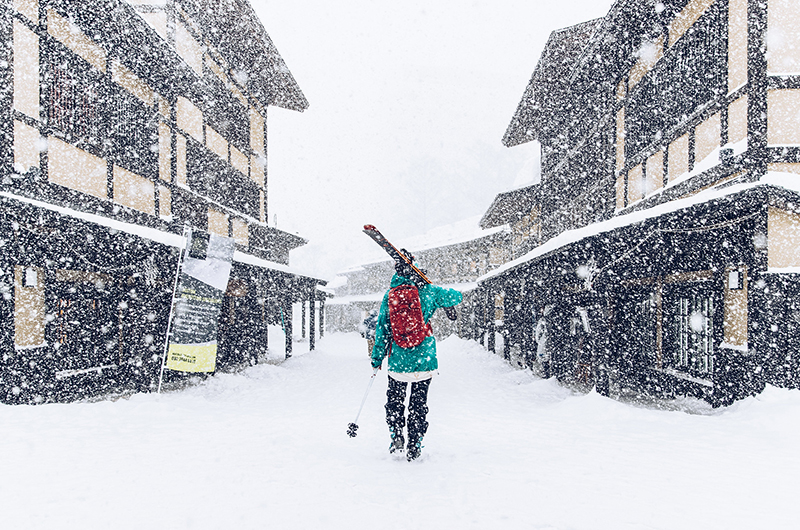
point(192, 357)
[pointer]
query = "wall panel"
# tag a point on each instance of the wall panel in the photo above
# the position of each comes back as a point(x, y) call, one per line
point(783, 37)
point(783, 239)
point(76, 169)
point(29, 307)
point(26, 71)
point(134, 191)
point(783, 117)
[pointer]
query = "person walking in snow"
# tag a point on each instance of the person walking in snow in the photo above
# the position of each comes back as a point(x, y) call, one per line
point(367, 329)
point(415, 364)
point(541, 336)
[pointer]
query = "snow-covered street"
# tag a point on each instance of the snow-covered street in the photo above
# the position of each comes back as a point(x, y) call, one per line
point(267, 448)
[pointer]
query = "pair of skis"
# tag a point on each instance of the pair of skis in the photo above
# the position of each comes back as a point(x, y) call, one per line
point(396, 255)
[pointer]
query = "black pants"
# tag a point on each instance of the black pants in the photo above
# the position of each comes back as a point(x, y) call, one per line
point(417, 409)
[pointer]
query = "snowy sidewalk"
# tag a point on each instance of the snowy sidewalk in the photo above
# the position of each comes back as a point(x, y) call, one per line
point(267, 448)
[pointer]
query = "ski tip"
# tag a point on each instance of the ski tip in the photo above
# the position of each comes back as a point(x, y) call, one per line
point(370, 227)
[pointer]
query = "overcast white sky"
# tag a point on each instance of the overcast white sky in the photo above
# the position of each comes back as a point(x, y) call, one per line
point(409, 102)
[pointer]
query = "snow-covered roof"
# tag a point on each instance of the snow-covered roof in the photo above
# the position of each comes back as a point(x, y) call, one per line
point(146, 232)
point(344, 300)
point(552, 73)
point(239, 36)
point(441, 236)
point(508, 205)
point(153, 234)
point(336, 282)
point(249, 259)
point(378, 296)
point(462, 287)
point(351, 270)
point(452, 234)
point(788, 181)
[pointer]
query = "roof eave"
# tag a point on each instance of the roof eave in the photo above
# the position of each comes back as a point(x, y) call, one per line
point(525, 125)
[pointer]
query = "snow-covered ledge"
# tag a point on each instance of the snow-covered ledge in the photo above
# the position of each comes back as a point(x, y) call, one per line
point(788, 181)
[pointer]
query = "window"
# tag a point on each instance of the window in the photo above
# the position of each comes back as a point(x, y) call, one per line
point(256, 131)
point(180, 155)
point(29, 314)
point(783, 237)
point(635, 184)
point(239, 160)
point(737, 120)
point(123, 76)
point(158, 21)
point(693, 334)
point(134, 132)
point(691, 74)
point(216, 143)
point(636, 315)
point(190, 118)
point(164, 152)
point(707, 138)
point(620, 139)
point(164, 202)
point(678, 157)
point(240, 230)
point(737, 43)
point(74, 103)
point(257, 166)
point(217, 222)
point(654, 173)
point(29, 8)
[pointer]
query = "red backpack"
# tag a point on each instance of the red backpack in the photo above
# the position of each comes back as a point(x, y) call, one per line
point(405, 317)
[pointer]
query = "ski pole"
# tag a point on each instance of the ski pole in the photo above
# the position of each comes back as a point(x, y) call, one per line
point(353, 427)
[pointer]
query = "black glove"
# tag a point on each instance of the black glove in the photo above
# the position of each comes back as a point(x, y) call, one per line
point(376, 363)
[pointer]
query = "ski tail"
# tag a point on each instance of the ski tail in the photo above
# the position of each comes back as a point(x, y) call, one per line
point(395, 254)
point(376, 236)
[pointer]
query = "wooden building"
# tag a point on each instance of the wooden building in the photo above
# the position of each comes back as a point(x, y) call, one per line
point(669, 208)
point(519, 209)
point(452, 256)
point(123, 122)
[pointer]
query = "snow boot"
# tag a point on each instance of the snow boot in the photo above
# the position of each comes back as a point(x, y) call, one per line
point(414, 450)
point(397, 439)
point(396, 446)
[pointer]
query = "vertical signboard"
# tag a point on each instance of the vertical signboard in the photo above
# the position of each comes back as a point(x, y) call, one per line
point(203, 281)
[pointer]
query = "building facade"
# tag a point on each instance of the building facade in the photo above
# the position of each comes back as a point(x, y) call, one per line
point(668, 204)
point(122, 123)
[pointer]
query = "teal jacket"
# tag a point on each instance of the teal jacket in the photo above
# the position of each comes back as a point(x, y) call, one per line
point(420, 358)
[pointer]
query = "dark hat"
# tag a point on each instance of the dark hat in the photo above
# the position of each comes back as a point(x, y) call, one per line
point(401, 267)
point(407, 254)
